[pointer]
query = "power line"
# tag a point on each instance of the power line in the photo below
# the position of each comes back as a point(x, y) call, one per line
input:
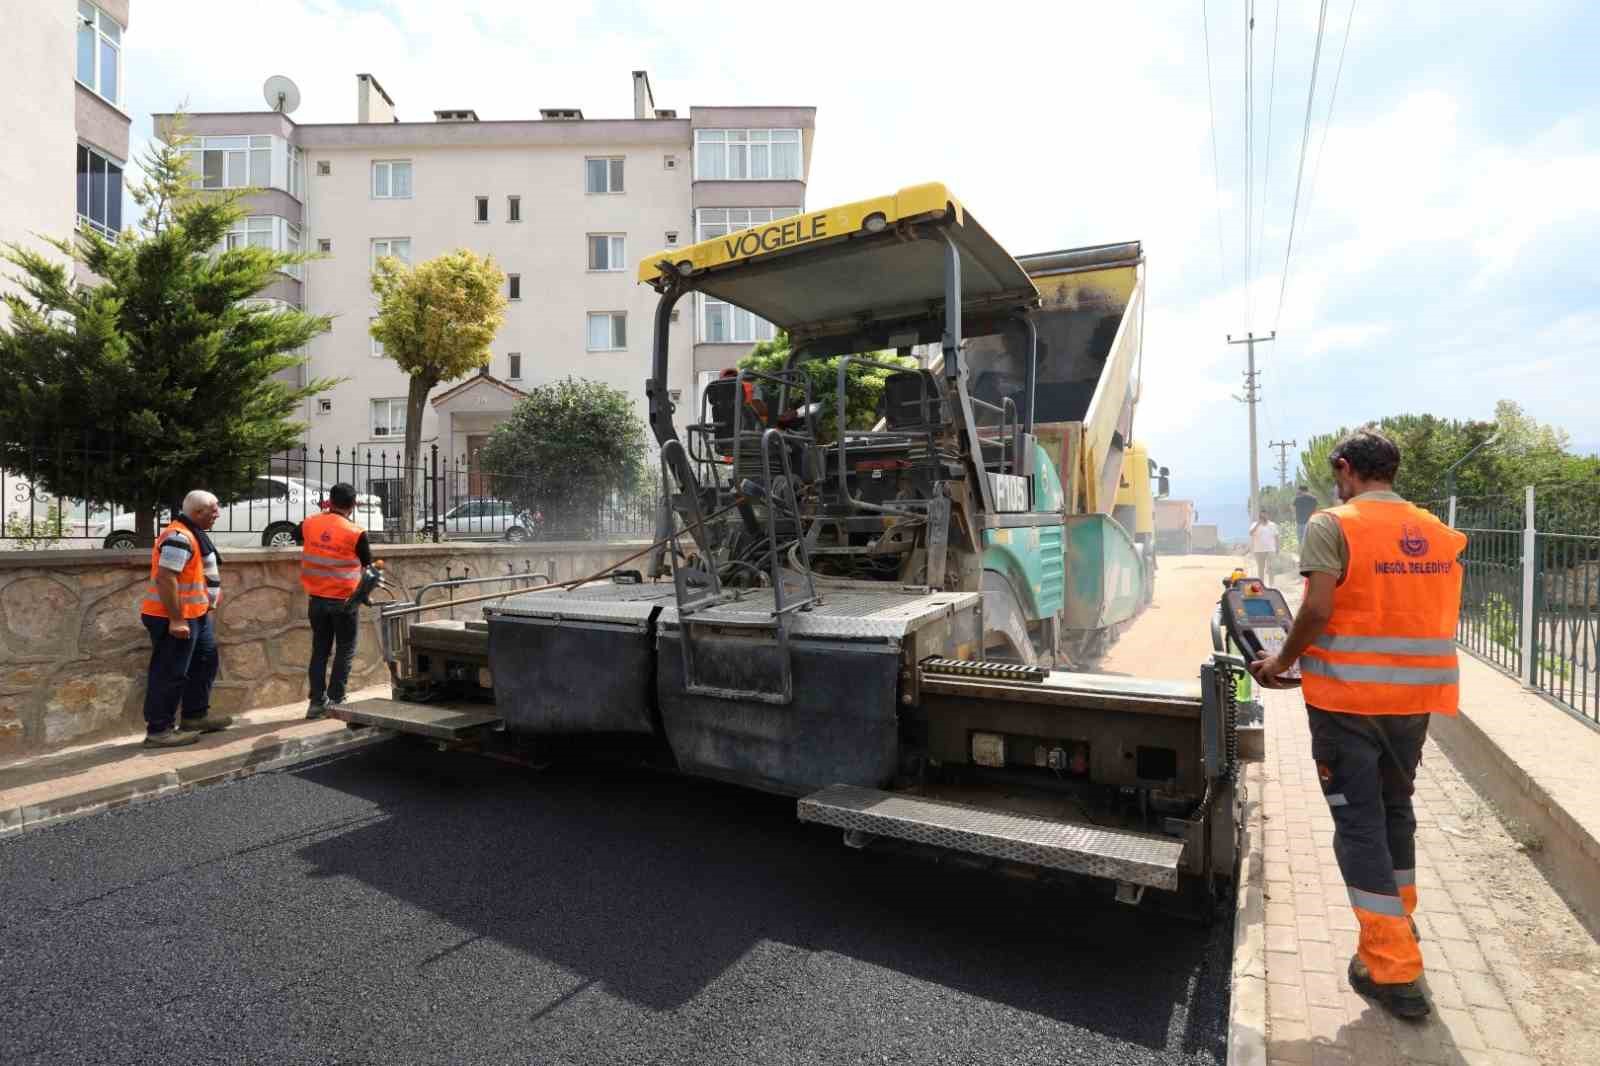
point(1266, 162)
point(1216, 169)
point(1327, 123)
point(1305, 137)
point(1249, 159)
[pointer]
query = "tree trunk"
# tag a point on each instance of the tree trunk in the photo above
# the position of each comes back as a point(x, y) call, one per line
point(416, 403)
point(144, 526)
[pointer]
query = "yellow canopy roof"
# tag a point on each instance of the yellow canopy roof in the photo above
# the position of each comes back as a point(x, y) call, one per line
point(842, 268)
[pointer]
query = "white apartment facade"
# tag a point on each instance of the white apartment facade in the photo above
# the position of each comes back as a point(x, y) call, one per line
point(64, 128)
point(566, 206)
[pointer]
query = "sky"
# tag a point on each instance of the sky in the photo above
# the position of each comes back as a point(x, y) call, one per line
point(1445, 232)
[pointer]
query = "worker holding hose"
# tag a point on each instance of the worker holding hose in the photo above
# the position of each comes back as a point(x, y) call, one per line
point(1375, 640)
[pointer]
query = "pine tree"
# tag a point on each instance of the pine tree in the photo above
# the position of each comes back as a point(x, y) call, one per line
point(164, 373)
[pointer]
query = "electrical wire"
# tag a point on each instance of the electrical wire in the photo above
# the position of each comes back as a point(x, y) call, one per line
point(1249, 159)
point(1305, 138)
point(1216, 168)
point(1266, 161)
point(1327, 122)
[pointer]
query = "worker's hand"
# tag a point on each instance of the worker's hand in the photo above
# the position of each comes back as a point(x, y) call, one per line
point(178, 629)
point(1266, 669)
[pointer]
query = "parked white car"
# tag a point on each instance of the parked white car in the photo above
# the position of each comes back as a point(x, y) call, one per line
point(485, 519)
point(269, 517)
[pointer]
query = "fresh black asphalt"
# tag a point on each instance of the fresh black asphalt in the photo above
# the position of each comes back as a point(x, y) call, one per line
point(401, 905)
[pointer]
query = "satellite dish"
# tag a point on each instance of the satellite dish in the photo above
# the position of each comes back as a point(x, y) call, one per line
point(281, 94)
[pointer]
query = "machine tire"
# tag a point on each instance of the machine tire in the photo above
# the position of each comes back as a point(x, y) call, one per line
point(280, 535)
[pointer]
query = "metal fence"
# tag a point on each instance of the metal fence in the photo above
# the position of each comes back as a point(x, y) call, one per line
point(1530, 601)
point(56, 500)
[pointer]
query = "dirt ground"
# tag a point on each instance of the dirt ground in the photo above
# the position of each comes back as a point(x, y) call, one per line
point(1559, 961)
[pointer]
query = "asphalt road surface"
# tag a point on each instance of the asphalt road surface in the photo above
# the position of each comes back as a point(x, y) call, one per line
point(402, 905)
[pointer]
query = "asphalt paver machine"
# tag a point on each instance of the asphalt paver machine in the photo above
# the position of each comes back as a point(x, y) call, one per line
point(863, 619)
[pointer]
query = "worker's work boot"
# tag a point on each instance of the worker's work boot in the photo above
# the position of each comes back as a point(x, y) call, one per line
point(170, 738)
point(316, 709)
point(1405, 1000)
point(210, 723)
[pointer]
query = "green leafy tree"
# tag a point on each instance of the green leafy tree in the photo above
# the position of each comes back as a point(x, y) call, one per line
point(163, 375)
point(436, 320)
point(567, 450)
point(863, 387)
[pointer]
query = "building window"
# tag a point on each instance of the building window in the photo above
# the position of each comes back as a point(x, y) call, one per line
point(669, 162)
point(514, 286)
point(399, 247)
point(292, 245)
point(99, 192)
point(514, 366)
point(606, 252)
point(480, 209)
point(391, 179)
point(602, 175)
point(672, 238)
point(720, 322)
point(608, 331)
point(231, 162)
point(325, 245)
point(99, 51)
point(255, 231)
point(747, 155)
point(513, 209)
point(723, 323)
point(389, 417)
point(377, 345)
point(712, 222)
point(297, 176)
point(324, 168)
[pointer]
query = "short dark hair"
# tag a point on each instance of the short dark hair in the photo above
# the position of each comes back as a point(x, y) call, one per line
point(1302, 486)
point(342, 496)
point(1371, 454)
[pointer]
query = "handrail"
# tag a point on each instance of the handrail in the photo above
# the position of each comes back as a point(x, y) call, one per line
point(841, 414)
point(459, 581)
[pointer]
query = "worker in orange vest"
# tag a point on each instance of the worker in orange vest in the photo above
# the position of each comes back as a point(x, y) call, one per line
point(333, 551)
point(1375, 639)
point(185, 588)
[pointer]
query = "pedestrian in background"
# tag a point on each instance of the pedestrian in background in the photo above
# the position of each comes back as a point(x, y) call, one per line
point(184, 591)
point(1375, 639)
point(1263, 544)
point(333, 551)
point(1305, 505)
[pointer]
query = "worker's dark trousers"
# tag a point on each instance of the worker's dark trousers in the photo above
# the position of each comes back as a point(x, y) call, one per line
point(333, 629)
point(181, 671)
point(1367, 765)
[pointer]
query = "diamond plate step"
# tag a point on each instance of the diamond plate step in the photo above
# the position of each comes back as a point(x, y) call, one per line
point(1117, 854)
point(424, 719)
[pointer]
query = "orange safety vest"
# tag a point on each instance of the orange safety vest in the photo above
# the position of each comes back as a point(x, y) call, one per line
point(1390, 647)
point(192, 598)
point(329, 566)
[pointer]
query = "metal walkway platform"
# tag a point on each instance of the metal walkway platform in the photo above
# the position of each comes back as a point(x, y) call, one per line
point(423, 719)
point(1116, 854)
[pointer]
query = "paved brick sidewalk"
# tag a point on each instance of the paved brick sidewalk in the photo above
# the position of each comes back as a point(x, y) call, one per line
point(1313, 1015)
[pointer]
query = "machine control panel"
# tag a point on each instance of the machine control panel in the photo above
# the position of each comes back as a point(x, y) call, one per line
point(1258, 619)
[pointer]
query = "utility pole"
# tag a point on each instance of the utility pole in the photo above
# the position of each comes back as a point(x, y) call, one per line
point(1283, 447)
point(1252, 396)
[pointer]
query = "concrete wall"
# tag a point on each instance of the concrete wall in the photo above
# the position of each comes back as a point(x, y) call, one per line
point(73, 653)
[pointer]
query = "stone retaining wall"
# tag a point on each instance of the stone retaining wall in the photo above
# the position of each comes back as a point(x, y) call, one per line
point(73, 653)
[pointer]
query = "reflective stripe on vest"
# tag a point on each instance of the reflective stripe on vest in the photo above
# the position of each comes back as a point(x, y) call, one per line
point(1389, 646)
point(192, 598)
point(329, 566)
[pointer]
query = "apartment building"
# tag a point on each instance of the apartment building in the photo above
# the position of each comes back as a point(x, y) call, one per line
point(565, 204)
point(63, 126)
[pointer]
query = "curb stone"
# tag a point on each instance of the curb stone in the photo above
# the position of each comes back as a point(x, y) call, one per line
point(265, 758)
point(1247, 995)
